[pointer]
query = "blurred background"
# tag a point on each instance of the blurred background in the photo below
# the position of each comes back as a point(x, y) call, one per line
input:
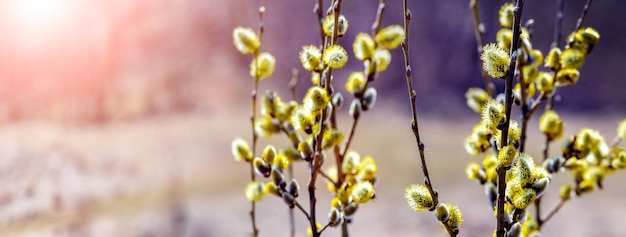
point(116, 116)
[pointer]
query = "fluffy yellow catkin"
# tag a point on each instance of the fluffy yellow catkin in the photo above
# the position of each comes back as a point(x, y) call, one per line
point(495, 60)
point(391, 36)
point(311, 58)
point(263, 66)
point(363, 46)
point(335, 56)
point(418, 197)
point(246, 40)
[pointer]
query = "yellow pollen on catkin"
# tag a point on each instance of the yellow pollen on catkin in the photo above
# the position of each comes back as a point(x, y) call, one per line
point(506, 14)
point(246, 40)
point(335, 56)
point(418, 197)
point(391, 36)
point(255, 191)
point(311, 58)
point(495, 61)
point(363, 46)
point(262, 66)
point(328, 25)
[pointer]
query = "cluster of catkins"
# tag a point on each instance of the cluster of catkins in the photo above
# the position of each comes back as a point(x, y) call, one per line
point(309, 124)
point(587, 156)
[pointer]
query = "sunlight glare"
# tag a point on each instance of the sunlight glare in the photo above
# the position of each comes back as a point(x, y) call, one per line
point(39, 18)
point(35, 25)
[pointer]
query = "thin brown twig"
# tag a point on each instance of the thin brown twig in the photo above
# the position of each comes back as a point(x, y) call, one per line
point(336, 13)
point(479, 32)
point(336, 149)
point(583, 15)
point(412, 98)
point(546, 149)
point(558, 23)
point(379, 17)
point(320, 18)
point(414, 122)
point(355, 121)
point(255, 230)
point(525, 109)
point(508, 91)
point(551, 213)
point(314, 167)
point(550, 104)
point(292, 218)
point(306, 214)
point(317, 161)
point(526, 118)
point(344, 229)
point(552, 96)
point(370, 78)
point(317, 142)
point(325, 227)
point(616, 141)
point(339, 155)
point(293, 83)
point(323, 174)
point(333, 125)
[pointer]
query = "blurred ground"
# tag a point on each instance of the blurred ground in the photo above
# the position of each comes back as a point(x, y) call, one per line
point(174, 176)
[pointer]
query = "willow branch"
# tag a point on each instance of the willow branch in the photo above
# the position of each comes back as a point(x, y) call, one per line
point(336, 150)
point(500, 231)
point(583, 15)
point(320, 18)
point(325, 227)
point(379, 17)
point(546, 149)
point(414, 122)
point(255, 230)
point(314, 167)
point(317, 161)
point(479, 32)
point(551, 214)
point(293, 83)
point(306, 214)
point(525, 109)
point(344, 229)
point(355, 121)
point(526, 118)
point(370, 78)
point(326, 176)
point(412, 98)
point(336, 12)
point(616, 141)
point(558, 23)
